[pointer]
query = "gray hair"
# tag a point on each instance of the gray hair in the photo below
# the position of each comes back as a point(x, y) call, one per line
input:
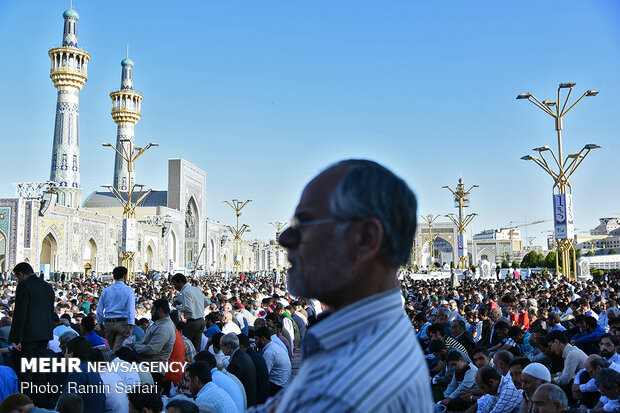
point(371, 190)
point(68, 336)
point(230, 339)
point(460, 324)
point(599, 362)
point(504, 356)
point(555, 394)
point(607, 378)
point(227, 315)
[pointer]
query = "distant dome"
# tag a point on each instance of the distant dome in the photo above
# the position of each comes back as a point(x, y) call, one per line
point(71, 13)
point(127, 62)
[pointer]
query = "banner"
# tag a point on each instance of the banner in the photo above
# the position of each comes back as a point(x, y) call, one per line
point(129, 235)
point(563, 216)
point(462, 244)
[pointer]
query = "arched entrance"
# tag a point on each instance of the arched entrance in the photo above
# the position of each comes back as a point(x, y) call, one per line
point(3, 244)
point(49, 252)
point(192, 231)
point(89, 261)
point(148, 263)
point(172, 247)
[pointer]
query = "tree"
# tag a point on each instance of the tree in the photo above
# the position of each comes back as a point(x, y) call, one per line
point(530, 260)
point(515, 264)
point(590, 253)
point(505, 264)
point(540, 262)
point(550, 260)
point(612, 251)
point(451, 264)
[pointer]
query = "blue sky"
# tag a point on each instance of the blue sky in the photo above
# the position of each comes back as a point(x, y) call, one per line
point(263, 95)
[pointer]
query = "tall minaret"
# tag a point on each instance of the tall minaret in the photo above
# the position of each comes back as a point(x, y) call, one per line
point(126, 109)
point(68, 72)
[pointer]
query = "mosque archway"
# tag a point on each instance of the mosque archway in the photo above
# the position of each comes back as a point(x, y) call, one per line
point(49, 251)
point(148, 262)
point(172, 247)
point(192, 232)
point(90, 257)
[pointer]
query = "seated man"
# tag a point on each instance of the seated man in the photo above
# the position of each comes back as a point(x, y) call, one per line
point(201, 386)
point(549, 398)
point(608, 382)
point(145, 402)
point(532, 377)
point(505, 398)
point(573, 357)
point(464, 378)
point(590, 335)
point(515, 369)
point(94, 400)
point(159, 339)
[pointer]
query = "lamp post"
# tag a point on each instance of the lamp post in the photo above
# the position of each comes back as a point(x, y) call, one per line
point(461, 200)
point(129, 203)
point(562, 190)
point(237, 231)
point(431, 237)
point(278, 227)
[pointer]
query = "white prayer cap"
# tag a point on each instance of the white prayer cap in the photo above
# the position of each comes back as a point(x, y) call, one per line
point(538, 371)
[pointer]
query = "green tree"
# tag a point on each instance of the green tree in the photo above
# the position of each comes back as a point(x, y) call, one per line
point(452, 264)
point(590, 253)
point(550, 260)
point(613, 251)
point(540, 262)
point(515, 264)
point(530, 259)
point(505, 264)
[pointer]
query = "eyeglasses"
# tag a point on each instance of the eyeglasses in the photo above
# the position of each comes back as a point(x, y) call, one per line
point(296, 224)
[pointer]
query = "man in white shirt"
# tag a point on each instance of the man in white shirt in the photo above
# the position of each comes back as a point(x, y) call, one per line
point(191, 303)
point(229, 325)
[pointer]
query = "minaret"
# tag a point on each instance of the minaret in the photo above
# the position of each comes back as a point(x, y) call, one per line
point(68, 72)
point(126, 109)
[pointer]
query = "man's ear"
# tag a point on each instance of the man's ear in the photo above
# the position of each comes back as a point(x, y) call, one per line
point(368, 238)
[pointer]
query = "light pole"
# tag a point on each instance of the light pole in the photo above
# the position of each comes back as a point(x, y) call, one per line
point(562, 191)
point(431, 237)
point(129, 203)
point(461, 200)
point(278, 227)
point(237, 231)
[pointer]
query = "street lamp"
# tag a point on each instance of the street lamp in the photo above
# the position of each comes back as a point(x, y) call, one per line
point(127, 200)
point(237, 231)
point(461, 200)
point(562, 190)
point(278, 227)
point(430, 236)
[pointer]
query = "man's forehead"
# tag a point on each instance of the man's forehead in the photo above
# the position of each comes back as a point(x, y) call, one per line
point(318, 190)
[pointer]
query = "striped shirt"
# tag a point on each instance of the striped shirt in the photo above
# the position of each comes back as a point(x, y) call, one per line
point(363, 358)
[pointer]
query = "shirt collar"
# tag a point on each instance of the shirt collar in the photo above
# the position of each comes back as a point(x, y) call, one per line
point(337, 329)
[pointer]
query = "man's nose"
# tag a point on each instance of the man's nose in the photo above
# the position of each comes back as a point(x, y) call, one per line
point(288, 238)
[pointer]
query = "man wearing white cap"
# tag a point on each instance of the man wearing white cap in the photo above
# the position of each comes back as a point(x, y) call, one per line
point(532, 377)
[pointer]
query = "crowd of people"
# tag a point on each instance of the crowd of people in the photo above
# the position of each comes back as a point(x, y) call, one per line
point(533, 344)
point(373, 337)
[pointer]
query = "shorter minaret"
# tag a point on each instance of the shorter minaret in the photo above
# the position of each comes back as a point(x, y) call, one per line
point(126, 110)
point(69, 74)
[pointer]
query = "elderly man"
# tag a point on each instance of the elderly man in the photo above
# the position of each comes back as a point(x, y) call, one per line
point(549, 398)
point(532, 377)
point(241, 365)
point(353, 228)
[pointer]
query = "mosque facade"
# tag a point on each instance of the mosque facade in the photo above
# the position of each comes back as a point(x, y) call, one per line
point(49, 226)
